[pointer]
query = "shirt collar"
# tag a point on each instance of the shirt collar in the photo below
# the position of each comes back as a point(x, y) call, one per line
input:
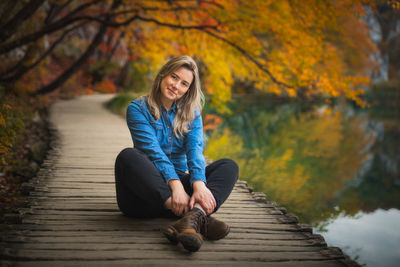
point(173, 108)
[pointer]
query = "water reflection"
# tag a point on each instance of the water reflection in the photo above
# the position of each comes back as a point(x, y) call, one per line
point(370, 237)
point(320, 162)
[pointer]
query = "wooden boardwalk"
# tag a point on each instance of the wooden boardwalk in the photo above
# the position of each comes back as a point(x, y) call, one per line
point(72, 218)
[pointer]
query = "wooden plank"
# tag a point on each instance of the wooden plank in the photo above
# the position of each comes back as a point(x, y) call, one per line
point(64, 212)
point(126, 227)
point(187, 262)
point(106, 218)
point(162, 245)
point(122, 224)
point(175, 253)
point(114, 207)
point(109, 237)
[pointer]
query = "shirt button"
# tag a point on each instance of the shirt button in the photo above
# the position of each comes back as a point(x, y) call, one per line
point(169, 138)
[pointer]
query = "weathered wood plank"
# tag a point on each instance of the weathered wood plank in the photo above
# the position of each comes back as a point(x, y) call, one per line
point(107, 218)
point(175, 252)
point(155, 227)
point(187, 262)
point(163, 246)
point(157, 238)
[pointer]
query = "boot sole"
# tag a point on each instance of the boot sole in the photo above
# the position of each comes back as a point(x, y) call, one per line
point(189, 242)
point(170, 234)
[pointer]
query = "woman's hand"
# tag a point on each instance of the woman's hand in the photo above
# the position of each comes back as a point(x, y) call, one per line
point(203, 196)
point(179, 199)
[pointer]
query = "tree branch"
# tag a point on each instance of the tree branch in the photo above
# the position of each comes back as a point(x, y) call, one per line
point(204, 28)
point(214, 3)
point(249, 57)
point(77, 64)
point(18, 64)
point(55, 10)
point(19, 70)
point(9, 28)
point(57, 25)
point(7, 10)
point(177, 26)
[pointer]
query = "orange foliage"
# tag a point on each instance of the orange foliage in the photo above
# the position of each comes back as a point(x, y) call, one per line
point(283, 47)
point(105, 86)
point(211, 122)
point(288, 47)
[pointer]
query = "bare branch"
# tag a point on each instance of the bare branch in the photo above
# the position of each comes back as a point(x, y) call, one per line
point(81, 8)
point(10, 27)
point(19, 64)
point(6, 10)
point(57, 25)
point(55, 10)
point(177, 26)
point(195, 1)
point(78, 63)
point(24, 69)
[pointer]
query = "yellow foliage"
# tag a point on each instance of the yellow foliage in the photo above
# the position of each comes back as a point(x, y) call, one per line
point(221, 145)
point(2, 121)
point(320, 46)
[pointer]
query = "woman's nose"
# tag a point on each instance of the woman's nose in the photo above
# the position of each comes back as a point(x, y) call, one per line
point(174, 83)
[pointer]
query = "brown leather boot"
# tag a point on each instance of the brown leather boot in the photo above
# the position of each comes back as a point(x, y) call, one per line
point(215, 229)
point(187, 230)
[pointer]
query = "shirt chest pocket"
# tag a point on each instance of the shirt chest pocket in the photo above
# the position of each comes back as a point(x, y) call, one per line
point(158, 129)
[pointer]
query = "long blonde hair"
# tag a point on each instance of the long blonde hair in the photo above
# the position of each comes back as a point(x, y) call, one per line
point(191, 101)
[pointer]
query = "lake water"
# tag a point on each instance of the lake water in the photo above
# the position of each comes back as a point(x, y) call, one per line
point(335, 166)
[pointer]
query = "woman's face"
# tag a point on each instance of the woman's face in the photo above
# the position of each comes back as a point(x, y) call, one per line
point(175, 85)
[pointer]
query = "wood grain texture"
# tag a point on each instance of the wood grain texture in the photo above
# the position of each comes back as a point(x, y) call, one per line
point(71, 217)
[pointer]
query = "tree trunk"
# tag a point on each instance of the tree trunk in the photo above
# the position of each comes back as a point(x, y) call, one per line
point(77, 64)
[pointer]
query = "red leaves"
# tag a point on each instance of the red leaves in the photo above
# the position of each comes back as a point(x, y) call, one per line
point(106, 86)
point(211, 122)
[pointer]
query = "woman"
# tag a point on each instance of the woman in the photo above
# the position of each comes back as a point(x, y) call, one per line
point(165, 173)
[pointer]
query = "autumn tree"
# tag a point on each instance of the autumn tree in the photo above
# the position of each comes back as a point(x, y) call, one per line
point(292, 48)
point(288, 47)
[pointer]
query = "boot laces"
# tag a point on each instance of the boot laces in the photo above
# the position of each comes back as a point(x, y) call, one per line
point(199, 221)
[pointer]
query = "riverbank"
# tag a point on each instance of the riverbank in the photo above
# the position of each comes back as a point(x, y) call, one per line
point(23, 160)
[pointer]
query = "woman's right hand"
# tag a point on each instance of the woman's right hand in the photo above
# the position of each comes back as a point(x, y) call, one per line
point(180, 199)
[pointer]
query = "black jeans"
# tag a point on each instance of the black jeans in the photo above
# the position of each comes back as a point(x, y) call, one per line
point(142, 191)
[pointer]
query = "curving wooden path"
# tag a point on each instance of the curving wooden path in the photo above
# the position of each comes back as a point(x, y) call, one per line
point(72, 218)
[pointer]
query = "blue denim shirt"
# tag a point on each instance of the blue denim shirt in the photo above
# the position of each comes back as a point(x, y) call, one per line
point(170, 155)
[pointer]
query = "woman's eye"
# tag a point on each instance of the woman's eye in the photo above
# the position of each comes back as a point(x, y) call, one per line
point(174, 77)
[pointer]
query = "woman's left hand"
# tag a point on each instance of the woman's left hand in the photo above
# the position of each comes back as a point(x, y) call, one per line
point(203, 196)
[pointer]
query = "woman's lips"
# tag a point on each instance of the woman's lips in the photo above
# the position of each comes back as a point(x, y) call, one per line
point(172, 92)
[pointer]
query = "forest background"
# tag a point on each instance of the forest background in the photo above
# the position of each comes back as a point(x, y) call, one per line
point(287, 50)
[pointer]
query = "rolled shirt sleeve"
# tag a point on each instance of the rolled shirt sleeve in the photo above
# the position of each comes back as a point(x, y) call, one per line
point(145, 139)
point(194, 150)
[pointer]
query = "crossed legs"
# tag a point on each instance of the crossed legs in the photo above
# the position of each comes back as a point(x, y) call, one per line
point(142, 191)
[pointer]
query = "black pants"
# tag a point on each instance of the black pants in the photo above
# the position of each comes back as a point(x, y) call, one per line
point(142, 191)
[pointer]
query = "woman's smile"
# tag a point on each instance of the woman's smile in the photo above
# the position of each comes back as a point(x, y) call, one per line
point(171, 91)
